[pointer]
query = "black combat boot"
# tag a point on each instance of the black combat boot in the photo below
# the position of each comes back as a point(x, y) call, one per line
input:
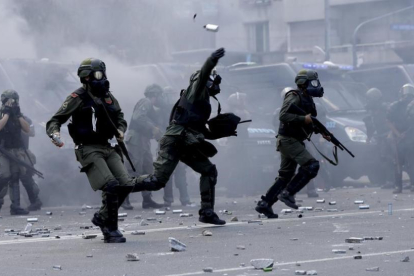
point(15, 208)
point(32, 190)
point(126, 205)
point(35, 206)
point(110, 229)
point(209, 216)
point(148, 203)
point(98, 221)
point(263, 207)
point(288, 199)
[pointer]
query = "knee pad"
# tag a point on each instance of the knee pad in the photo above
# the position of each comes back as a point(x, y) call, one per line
point(286, 177)
point(111, 186)
point(212, 174)
point(310, 169)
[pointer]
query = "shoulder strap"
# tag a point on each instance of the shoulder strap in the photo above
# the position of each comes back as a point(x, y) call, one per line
point(219, 106)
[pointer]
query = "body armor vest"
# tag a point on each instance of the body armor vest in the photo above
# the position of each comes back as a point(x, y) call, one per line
point(90, 125)
point(299, 131)
point(193, 115)
point(11, 134)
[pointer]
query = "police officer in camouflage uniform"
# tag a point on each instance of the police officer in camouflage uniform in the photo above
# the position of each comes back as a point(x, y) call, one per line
point(12, 123)
point(185, 135)
point(310, 188)
point(95, 114)
point(143, 127)
point(400, 125)
point(293, 130)
point(179, 176)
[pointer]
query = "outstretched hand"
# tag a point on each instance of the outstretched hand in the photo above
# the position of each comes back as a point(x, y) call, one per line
point(218, 54)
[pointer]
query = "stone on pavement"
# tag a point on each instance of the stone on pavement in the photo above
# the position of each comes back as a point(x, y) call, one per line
point(262, 263)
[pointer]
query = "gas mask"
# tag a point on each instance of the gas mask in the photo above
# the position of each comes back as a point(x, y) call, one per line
point(314, 88)
point(213, 84)
point(99, 84)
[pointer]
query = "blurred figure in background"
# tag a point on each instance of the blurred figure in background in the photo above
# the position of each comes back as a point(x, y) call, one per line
point(377, 133)
point(12, 123)
point(400, 125)
point(143, 127)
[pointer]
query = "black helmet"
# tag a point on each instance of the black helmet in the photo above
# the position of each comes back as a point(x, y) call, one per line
point(92, 65)
point(374, 94)
point(9, 94)
point(407, 90)
point(305, 75)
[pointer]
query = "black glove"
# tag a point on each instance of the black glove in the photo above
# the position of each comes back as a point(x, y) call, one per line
point(218, 54)
point(16, 111)
point(7, 110)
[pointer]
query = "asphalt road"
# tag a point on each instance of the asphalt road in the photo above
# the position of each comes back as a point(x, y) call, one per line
point(294, 243)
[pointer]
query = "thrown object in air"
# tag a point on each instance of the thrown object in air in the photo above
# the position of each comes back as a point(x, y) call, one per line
point(211, 28)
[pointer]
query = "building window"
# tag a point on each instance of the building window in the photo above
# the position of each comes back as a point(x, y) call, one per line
point(258, 37)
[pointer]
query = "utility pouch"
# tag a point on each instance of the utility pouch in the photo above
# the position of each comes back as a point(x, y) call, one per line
point(207, 149)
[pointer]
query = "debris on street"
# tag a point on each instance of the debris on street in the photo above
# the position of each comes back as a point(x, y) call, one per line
point(262, 263)
point(176, 245)
point(132, 257)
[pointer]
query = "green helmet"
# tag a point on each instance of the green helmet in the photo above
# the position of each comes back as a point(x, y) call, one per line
point(9, 94)
point(153, 90)
point(305, 75)
point(90, 65)
point(407, 90)
point(374, 94)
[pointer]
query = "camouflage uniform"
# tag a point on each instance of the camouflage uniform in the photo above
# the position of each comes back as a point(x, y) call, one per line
point(11, 141)
point(181, 141)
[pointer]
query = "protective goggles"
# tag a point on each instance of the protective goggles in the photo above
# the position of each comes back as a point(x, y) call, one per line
point(315, 83)
point(98, 75)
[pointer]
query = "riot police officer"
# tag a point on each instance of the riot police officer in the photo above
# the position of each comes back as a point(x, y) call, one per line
point(185, 137)
point(399, 123)
point(12, 123)
point(96, 118)
point(293, 130)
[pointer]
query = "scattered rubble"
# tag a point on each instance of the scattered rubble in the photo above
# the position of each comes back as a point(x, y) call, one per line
point(32, 219)
point(286, 211)
point(311, 272)
point(57, 267)
point(362, 207)
point(143, 223)
point(354, 240)
point(208, 269)
point(234, 219)
point(88, 236)
point(89, 256)
point(49, 213)
point(358, 202)
point(357, 257)
point(132, 257)
point(261, 263)
point(320, 201)
point(406, 259)
point(138, 217)
point(177, 211)
point(241, 247)
point(373, 238)
point(122, 215)
point(207, 233)
point(137, 233)
point(57, 228)
point(300, 272)
point(185, 215)
point(159, 212)
point(376, 268)
point(332, 202)
point(339, 251)
point(176, 245)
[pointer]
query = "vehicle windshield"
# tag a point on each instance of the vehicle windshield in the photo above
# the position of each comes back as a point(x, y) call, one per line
point(341, 96)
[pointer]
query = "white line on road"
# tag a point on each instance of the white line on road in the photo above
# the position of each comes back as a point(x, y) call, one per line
point(292, 263)
point(65, 238)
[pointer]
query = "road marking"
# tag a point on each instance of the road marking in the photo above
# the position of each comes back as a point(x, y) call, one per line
point(293, 263)
point(65, 238)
